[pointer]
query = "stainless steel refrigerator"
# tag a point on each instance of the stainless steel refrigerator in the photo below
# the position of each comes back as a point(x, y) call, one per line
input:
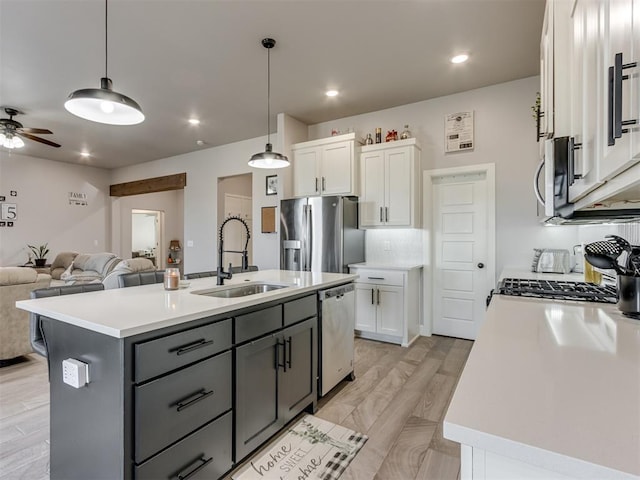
point(320, 234)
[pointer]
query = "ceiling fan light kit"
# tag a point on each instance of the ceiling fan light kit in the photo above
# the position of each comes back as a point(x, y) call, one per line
point(11, 131)
point(268, 158)
point(103, 105)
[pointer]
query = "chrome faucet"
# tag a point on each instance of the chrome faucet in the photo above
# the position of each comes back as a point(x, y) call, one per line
point(221, 274)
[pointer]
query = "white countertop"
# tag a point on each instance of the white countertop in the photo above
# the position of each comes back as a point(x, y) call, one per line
point(123, 312)
point(553, 384)
point(387, 266)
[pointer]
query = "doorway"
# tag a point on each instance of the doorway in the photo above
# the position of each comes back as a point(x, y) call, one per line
point(235, 199)
point(147, 236)
point(459, 206)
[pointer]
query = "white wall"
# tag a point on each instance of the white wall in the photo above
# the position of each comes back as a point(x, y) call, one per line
point(504, 135)
point(143, 231)
point(203, 169)
point(44, 212)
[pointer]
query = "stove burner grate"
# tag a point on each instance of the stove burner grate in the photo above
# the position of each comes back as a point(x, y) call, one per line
point(558, 289)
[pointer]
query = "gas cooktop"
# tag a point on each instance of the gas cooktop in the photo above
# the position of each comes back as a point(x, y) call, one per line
point(558, 289)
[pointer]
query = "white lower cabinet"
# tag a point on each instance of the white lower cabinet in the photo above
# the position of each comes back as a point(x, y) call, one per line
point(388, 303)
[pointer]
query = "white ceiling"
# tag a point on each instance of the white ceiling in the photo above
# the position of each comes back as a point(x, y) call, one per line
point(186, 58)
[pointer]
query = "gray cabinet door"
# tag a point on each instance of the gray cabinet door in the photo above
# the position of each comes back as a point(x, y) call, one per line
point(297, 381)
point(257, 416)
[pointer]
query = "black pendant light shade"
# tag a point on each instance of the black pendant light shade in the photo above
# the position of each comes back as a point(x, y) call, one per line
point(268, 158)
point(103, 105)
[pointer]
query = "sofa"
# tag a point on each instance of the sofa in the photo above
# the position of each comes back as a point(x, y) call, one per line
point(131, 265)
point(16, 283)
point(62, 261)
point(89, 268)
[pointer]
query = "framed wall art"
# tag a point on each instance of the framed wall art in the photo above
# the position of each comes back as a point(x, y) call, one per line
point(272, 185)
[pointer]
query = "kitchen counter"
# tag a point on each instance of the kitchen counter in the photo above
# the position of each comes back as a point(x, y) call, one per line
point(528, 274)
point(388, 266)
point(124, 312)
point(551, 388)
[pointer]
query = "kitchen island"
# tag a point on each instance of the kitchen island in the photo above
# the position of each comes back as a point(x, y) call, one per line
point(179, 383)
point(550, 390)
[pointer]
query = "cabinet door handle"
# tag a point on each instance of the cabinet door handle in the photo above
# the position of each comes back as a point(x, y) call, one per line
point(284, 352)
point(316, 184)
point(288, 357)
point(386, 214)
point(381, 218)
point(189, 347)
point(201, 395)
point(615, 99)
point(203, 463)
point(324, 184)
point(372, 301)
point(378, 295)
point(375, 278)
point(611, 140)
point(573, 146)
point(539, 115)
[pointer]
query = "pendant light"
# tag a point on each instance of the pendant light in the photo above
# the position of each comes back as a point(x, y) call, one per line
point(103, 105)
point(268, 158)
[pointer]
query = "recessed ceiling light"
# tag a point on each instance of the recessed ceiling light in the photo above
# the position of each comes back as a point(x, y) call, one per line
point(85, 153)
point(460, 58)
point(200, 143)
point(332, 93)
point(194, 121)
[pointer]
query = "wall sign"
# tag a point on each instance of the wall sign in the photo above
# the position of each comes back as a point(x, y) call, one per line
point(458, 132)
point(8, 211)
point(76, 198)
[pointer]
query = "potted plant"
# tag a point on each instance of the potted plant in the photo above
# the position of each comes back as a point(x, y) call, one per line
point(40, 254)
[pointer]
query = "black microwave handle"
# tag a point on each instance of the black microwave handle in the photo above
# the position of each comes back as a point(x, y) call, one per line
point(571, 167)
point(536, 183)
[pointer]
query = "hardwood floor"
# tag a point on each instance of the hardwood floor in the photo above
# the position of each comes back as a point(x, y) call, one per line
point(399, 398)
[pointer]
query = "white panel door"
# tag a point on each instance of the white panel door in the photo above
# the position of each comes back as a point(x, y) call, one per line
point(460, 246)
point(336, 169)
point(371, 200)
point(390, 303)
point(365, 307)
point(306, 164)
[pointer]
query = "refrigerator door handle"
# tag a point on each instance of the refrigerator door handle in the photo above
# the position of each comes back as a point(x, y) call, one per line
point(309, 233)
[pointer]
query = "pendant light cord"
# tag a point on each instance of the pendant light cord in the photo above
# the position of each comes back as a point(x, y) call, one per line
point(268, 95)
point(106, 43)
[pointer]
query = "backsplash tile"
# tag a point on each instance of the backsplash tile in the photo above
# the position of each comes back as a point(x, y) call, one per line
point(405, 245)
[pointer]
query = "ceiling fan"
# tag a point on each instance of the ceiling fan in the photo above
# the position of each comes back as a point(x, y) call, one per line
point(11, 131)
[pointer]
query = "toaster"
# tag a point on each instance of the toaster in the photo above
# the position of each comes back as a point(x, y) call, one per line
point(551, 260)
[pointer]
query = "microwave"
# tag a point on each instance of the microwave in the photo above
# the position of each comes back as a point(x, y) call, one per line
point(559, 174)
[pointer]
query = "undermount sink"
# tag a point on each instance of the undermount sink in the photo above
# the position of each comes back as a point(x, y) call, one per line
point(234, 291)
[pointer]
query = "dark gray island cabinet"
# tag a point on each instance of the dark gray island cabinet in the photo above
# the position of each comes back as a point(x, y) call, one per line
point(183, 402)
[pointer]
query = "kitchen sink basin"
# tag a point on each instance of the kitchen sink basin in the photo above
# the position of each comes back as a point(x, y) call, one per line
point(234, 291)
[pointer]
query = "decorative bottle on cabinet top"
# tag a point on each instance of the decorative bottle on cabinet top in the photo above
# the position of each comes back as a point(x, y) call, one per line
point(406, 133)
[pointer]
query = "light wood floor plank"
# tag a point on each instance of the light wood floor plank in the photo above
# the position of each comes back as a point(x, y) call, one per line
point(405, 458)
point(438, 466)
point(398, 398)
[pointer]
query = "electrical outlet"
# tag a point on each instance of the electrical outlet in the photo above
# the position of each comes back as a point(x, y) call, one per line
point(75, 372)
point(189, 243)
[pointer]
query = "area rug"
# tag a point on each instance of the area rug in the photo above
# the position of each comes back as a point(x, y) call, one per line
point(312, 448)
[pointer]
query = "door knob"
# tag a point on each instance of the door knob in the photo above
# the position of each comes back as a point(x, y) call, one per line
point(481, 265)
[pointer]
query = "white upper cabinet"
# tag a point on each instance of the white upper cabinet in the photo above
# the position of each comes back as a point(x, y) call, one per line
point(621, 72)
point(590, 55)
point(554, 75)
point(390, 191)
point(584, 64)
point(325, 167)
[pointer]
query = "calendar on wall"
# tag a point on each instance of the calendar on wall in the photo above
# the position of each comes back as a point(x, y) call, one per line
point(458, 132)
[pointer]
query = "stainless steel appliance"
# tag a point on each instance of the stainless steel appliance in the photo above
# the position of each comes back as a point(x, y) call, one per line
point(320, 234)
point(560, 173)
point(550, 260)
point(337, 324)
point(558, 290)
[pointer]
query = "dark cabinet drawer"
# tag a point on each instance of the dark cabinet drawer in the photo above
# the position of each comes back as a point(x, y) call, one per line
point(255, 324)
point(300, 309)
point(204, 455)
point(172, 406)
point(162, 355)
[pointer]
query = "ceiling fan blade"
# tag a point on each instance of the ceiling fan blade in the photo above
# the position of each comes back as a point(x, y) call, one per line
point(32, 130)
point(37, 139)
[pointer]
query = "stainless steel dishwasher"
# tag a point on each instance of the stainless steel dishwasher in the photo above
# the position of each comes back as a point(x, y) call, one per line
point(337, 325)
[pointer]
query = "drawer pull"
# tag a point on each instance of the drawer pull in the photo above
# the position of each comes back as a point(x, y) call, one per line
point(203, 463)
point(288, 360)
point(375, 278)
point(202, 394)
point(189, 347)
